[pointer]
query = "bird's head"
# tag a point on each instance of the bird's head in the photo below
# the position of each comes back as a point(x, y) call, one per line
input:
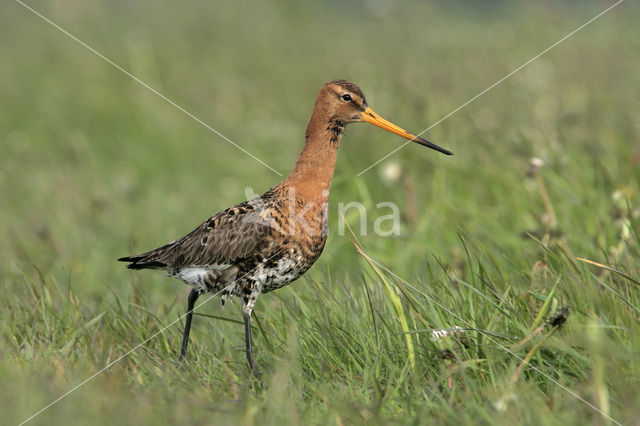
point(345, 103)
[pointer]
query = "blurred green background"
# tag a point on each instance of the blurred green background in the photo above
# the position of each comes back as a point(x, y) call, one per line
point(94, 166)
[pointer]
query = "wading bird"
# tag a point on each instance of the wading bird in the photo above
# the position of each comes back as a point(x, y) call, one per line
point(265, 243)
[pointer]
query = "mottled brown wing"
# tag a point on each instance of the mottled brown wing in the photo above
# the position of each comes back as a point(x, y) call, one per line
point(220, 241)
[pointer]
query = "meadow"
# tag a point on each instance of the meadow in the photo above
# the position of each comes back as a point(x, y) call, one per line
point(538, 265)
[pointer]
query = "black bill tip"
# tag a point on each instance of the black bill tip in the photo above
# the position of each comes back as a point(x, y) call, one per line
point(431, 145)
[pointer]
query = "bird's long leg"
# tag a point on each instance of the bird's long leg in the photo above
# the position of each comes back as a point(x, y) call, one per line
point(193, 296)
point(247, 338)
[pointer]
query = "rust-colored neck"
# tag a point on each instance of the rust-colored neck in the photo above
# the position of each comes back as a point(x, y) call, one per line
point(314, 168)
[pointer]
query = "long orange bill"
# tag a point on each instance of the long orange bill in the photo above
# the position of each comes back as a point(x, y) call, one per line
point(371, 117)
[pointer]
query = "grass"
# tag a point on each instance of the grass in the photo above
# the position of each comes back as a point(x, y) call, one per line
point(93, 167)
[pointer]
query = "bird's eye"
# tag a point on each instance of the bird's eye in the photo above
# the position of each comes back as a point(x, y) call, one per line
point(346, 97)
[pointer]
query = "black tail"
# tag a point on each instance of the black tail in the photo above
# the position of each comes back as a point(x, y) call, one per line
point(139, 262)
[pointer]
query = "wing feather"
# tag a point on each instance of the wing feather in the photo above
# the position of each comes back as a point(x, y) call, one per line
point(222, 240)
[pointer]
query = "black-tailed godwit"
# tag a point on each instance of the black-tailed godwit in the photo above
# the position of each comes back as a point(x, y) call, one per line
point(265, 243)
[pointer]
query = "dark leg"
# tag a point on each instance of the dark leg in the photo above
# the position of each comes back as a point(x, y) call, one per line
point(193, 296)
point(247, 338)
